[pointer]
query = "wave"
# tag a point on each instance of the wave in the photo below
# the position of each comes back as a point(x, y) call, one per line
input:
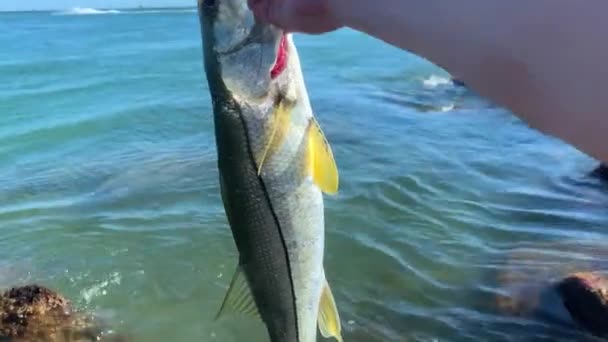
point(94, 11)
point(86, 11)
point(434, 81)
point(448, 108)
point(185, 10)
point(101, 288)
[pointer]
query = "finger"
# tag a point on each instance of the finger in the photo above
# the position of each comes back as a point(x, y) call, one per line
point(310, 8)
point(260, 8)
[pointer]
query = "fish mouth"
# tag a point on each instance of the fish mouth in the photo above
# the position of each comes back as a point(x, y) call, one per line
point(280, 63)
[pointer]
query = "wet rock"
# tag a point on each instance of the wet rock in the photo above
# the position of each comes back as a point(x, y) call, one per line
point(25, 311)
point(601, 172)
point(585, 295)
point(557, 282)
point(458, 83)
point(36, 313)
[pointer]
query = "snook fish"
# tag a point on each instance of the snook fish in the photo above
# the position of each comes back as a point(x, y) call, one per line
point(274, 164)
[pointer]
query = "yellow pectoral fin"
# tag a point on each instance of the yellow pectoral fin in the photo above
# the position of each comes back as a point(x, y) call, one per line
point(239, 298)
point(320, 160)
point(281, 119)
point(329, 319)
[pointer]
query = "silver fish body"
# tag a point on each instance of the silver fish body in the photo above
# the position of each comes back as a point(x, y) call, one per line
point(274, 165)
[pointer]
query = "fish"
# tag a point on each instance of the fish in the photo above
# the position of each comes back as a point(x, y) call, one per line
point(275, 167)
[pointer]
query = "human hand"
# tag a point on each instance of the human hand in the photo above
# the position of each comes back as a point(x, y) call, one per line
point(308, 16)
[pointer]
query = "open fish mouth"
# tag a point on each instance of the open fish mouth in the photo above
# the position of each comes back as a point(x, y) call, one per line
point(281, 62)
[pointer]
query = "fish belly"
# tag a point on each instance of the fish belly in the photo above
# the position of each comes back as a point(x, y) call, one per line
point(298, 204)
point(301, 218)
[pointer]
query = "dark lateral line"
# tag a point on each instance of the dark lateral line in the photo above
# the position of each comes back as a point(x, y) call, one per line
point(276, 219)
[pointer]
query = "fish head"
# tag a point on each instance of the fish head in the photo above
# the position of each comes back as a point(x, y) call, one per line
point(245, 60)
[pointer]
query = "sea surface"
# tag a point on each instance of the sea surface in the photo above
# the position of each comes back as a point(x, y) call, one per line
point(109, 186)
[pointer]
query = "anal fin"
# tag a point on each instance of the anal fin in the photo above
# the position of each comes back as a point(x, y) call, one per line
point(329, 319)
point(239, 298)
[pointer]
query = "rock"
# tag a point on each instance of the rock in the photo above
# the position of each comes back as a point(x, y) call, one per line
point(585, 295)
point(601, 172)
point(557, 282)
point(458, 83)
point(36, 313)
point(25, 310)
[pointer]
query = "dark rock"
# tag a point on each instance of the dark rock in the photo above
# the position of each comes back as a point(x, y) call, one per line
point(557, 282)
point(585, 295)
point(601, 172)
point(458, 83)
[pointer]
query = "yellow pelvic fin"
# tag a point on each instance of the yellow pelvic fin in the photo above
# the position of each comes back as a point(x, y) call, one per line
point(329, 319)
point(239, 298)
point(279, 126)
point(320, 160)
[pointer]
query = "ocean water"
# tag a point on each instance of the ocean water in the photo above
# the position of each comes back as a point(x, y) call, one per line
point(109, 187)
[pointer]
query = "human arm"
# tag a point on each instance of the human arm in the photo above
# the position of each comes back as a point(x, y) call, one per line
point(543, 59)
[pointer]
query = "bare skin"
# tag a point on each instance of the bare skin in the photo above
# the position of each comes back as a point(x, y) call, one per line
point(544, 60)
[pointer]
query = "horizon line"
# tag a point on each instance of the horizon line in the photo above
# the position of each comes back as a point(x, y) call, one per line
point(99, 8)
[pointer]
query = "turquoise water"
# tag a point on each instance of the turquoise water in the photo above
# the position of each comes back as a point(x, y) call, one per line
point(109, 194)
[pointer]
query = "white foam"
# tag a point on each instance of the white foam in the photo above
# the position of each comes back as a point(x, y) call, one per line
point(100, 289)
point(87, 11)
point(447, 108)
point(185, 10)
point(94, 11)
point(434, 81)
